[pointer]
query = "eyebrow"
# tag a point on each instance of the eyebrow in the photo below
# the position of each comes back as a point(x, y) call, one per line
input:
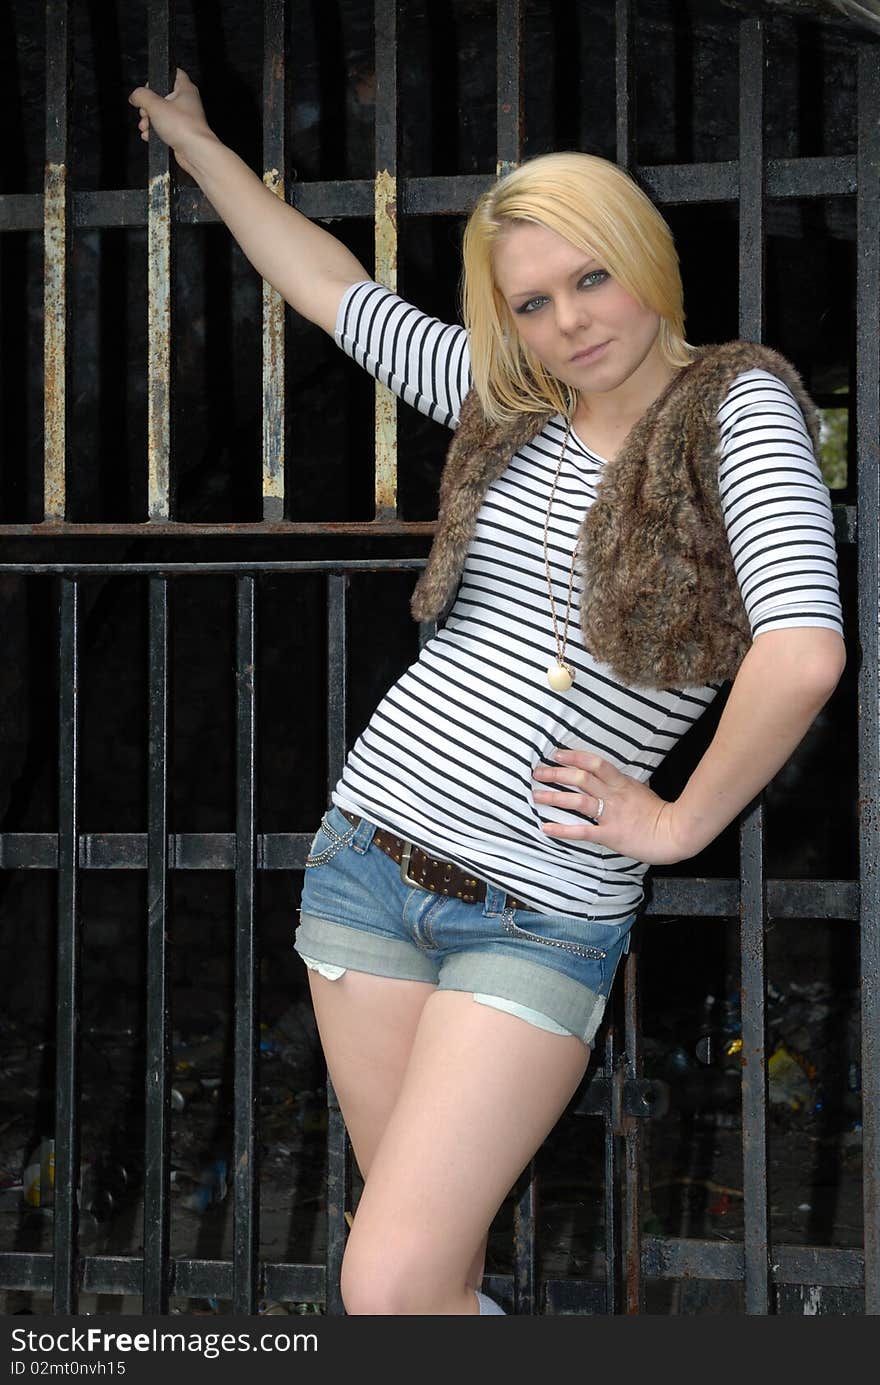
point(576, 274)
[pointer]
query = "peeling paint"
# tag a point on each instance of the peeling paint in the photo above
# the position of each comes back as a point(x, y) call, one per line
point(54, 340)
point(273, 384)
point(385, 214)
point(159, 348)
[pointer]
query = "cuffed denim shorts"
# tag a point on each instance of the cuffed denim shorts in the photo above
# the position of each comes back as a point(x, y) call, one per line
point(357, 912)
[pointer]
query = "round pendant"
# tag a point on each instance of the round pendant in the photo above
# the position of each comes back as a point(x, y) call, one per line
point(560, 677)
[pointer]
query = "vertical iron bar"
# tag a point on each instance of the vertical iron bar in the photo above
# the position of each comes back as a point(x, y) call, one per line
point(55, 245)
point(67, 1015)
point(157, 1207)
point(161, 78)
point(756, 1235)
point(273, 303)
point(625, 89)
point(867, 433)
point(752, 250)
point(525, 1227)
point(610, 1124)
point(632, 1136)
point(509, 137)
point(246, 1216)
point(509, 129)
point(339, 1183)
point(756, 1212)
point(385, 218)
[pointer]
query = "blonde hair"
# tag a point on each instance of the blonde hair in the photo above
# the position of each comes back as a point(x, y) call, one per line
point(598, 208)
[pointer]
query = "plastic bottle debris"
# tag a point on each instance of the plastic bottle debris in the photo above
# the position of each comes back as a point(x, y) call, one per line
point(210, 1189)
point(38, 1178)
point(790, 1079)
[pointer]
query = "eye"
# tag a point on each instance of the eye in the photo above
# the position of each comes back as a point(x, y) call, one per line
point(595, 277)
point(530, 305)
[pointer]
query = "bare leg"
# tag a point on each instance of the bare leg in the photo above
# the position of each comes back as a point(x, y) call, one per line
point(480, 1093)
point(367, 1025)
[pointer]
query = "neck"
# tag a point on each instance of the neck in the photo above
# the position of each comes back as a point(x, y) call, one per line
point(621, 408)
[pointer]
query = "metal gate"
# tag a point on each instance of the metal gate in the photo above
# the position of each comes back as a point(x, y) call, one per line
point(616, 1091)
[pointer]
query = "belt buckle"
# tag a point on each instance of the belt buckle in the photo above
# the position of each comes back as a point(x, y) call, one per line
point(404, 867)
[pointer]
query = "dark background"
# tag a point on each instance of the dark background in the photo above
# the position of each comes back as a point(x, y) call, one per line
point(687, 111)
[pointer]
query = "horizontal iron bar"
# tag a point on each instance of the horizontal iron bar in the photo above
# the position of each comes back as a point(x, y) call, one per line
point(845, 529)
point(829, 176)
point(234, 530)
point(825, 1266)
point(326, 565)
point(840, 1266)
point(643, 1098)
point(676, 896)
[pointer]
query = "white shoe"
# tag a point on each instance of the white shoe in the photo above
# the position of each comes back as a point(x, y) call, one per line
point(488, 1305)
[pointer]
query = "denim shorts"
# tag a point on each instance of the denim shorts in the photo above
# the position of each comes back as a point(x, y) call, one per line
point(357, 912)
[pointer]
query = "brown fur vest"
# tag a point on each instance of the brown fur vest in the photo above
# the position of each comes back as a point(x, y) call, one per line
point(660, 605)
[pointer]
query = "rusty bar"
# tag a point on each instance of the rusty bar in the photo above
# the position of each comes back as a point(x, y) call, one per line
point(56, 234)
point(832, 175)
point(273, 303)
point(385, 222)
point(625, 91)
point(245, 529)
point(844, 521)
point(245, 1153)
point(753, 907)
point(525, 1231)
point(867, 432)
point(509, 132)
point(157, 1152)
point(67, 1006)
point(159, 216)
point(613, 1080)
point(634, 1296)
point(339, 1182)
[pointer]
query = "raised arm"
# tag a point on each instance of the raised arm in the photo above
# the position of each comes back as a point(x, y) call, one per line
point(310, 268)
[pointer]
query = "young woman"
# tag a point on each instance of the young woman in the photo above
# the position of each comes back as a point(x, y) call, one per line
point(625, 522)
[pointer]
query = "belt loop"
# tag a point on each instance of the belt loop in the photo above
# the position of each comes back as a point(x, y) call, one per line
point(363, 835)
point(495, 900)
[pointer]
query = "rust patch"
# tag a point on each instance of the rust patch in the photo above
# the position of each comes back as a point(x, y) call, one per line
point(385, 217)
point(159, 349)
point(54, 340)
point(273, 384)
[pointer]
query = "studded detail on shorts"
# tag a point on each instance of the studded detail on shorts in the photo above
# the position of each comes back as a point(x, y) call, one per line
point(336, 843)
point(578, 949)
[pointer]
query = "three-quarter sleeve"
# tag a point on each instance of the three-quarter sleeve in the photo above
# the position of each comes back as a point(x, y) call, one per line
point(425, 362)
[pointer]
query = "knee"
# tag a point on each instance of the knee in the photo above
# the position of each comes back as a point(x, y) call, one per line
point(385, 1283)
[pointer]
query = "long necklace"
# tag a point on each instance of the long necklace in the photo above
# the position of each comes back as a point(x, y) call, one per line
point(560, 675)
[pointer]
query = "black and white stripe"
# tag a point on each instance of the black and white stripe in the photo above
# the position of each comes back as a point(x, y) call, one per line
point(447, 757)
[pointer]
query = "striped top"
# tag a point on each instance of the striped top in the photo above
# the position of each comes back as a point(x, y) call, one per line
point(447, 757)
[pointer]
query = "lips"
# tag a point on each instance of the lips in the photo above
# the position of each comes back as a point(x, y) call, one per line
point(591, 354)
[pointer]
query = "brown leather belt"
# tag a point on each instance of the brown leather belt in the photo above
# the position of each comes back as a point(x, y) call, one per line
point(419, 868)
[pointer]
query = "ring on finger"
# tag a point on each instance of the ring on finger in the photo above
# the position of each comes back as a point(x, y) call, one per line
point(600, 809)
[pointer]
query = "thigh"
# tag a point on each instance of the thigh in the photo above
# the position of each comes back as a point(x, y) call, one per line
point(367, 1025)
point(481, 1091)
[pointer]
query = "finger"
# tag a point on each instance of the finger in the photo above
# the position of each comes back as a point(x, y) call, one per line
point(585, 759)
point(592, 806)
point(572, 831)
point(581, 779)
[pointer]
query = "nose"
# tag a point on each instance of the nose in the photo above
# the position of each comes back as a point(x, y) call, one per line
point(571, 313)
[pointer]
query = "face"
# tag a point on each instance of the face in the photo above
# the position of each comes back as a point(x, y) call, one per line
point(579, 322)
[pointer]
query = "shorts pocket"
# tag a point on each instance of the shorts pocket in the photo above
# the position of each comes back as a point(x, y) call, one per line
point(573, 935)
point(327, 841)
